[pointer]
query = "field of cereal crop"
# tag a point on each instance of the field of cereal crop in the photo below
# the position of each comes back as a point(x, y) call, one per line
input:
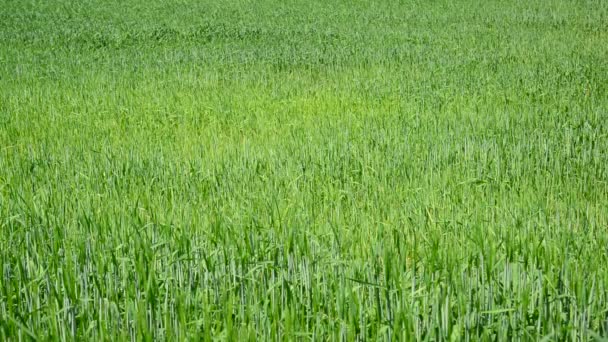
point(303, 170)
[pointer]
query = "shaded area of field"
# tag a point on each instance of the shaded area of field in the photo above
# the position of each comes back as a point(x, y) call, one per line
point(303, 170)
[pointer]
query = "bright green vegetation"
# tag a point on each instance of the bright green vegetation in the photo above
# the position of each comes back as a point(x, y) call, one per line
point(268, 170)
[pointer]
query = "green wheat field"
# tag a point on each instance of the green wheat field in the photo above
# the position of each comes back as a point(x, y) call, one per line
point(304, 170)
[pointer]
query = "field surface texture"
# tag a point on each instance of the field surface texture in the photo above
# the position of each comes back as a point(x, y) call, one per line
point(304, 170)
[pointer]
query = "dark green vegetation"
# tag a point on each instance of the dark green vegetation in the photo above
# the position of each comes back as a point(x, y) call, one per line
point(304, 170)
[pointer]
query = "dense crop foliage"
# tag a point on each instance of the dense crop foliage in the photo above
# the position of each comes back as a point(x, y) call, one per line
point(422, 170)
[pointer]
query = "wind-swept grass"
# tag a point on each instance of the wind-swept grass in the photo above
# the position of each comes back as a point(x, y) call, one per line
point(303, 170)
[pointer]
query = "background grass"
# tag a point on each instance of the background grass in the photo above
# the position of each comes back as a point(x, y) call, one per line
point(418, 170)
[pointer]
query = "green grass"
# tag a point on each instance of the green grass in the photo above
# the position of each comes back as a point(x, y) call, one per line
point(304, 170)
